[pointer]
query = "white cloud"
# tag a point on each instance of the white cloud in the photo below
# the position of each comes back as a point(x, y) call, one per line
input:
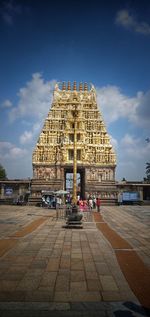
point(135, 147)
point(17, 161)
point(114, 142)
point(131, 146)
point(115, 105)
point(128, 21)
point(9, 151)
point(34, 99)
point(26, 137)
point(17, 152)
point(7, 104)
point(5, 145)
point(133, 153)
point(29, 136)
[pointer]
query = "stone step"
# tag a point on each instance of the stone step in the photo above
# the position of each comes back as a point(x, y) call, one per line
point(35, 201)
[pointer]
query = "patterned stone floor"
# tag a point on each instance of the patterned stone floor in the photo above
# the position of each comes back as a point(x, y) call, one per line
point(47, 270)
point(133, 224)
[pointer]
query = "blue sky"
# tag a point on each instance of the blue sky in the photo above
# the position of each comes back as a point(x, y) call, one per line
point(106, 43)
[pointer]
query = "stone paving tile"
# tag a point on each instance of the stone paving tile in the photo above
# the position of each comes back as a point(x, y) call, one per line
point(91, 275)
point(77, 276)
point(39, 296)
point(87, 257)
point(85, 296)
point(33, 272)
point(55, 264)
point(102, 268)
point(8, 285)
point(29, 283)
point(39, 263)
point(44, 254)
point(108, 283)
point(78, 285)
point(13, 275)
point(48, 279)
point(62, 283)
point(64, 272)
point(77, 264)
point(113, 296)
point(90, 266)
point(77, 297)
point(86, 250)
point(94, 285)
point(8, 296)
point(65, 263)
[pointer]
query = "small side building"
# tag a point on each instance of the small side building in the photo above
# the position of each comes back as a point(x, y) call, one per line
point(11, 190)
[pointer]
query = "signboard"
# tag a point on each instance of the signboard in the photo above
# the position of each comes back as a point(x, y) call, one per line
point(8, 191)
point(130, 196)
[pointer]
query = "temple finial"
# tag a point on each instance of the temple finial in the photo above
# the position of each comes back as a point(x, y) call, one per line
point(63, 86)
point(80, 87)
point(85, 86)
point(69, 86)
point(74, 86)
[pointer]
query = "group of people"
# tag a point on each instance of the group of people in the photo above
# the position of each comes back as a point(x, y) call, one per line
point(91, 203)
point(51, 201)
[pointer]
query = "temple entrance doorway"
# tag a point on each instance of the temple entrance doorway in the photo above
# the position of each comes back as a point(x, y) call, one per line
point(80, 181)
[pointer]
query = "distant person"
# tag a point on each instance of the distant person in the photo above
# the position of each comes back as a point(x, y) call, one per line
point(81, 206)
point(94, 201)
point(98, 204)
point(58, 202)
point(90, 203)
point(120, 199)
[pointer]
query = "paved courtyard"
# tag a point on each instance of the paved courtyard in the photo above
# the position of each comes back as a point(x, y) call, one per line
point(48, 270)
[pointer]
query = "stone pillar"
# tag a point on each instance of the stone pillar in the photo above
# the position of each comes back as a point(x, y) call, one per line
point(20, 190)
point(140, 190)
point(2, 190)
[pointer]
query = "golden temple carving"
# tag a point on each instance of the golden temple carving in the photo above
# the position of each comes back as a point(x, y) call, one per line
point(55, 146)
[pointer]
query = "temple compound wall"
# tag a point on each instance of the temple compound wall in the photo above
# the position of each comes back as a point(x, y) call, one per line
point(54, 152)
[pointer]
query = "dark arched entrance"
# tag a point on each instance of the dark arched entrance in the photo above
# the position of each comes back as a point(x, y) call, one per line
point(80, 180)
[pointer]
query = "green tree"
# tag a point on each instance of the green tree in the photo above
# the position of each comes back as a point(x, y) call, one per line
point(148, 171)
point(3, 174)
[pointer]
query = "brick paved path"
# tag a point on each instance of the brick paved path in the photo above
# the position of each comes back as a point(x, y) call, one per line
point(62, 270)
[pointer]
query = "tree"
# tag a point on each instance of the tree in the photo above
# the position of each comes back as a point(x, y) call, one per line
point(148, 171)
point(2, 172)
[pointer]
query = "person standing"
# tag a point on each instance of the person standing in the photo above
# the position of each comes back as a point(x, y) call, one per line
point(98, 204)
point(90, 203)
point(120, 199)
point(58, 202)
point(94, 201)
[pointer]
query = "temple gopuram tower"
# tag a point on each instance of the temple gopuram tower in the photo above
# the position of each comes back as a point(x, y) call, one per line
point(54, 152)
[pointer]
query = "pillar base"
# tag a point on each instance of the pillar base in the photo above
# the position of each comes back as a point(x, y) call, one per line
point(74, 218)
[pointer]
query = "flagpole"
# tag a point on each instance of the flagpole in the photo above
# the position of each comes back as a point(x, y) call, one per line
point(75, 159)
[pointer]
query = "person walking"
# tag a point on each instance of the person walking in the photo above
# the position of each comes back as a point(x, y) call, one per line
point(98, 204)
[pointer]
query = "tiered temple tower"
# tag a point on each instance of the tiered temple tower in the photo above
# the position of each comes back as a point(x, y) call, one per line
point(54, 151)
